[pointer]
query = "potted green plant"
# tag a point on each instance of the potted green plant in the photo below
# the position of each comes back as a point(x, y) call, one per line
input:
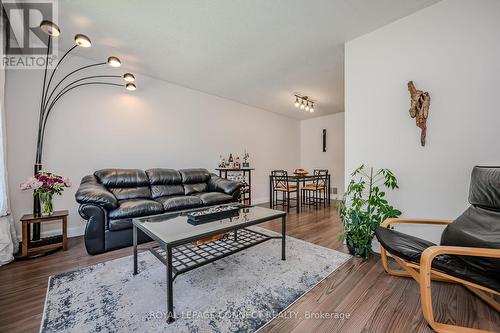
point(364, 207)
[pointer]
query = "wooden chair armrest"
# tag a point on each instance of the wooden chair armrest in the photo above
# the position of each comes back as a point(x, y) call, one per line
point(433, 251)
point(426, 273)
point(388, 222)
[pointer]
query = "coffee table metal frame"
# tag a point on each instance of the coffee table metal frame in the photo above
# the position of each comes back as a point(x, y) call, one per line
point(181, 256)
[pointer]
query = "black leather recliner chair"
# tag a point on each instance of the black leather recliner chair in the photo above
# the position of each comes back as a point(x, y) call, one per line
point(110, 198)
point(469, 253)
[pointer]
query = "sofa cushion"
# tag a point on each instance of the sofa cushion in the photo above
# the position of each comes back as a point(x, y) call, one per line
point(122, 177)
point(193, 176)
point(126, 193)
point(125, 183)
point(195, 188)
point(178, 202)
point(160, 176)
point(166, 190)
point(213, 198)
point(120, 224)
point(135, 208)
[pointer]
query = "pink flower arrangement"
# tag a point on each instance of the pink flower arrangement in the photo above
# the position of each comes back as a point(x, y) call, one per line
point(46, 182)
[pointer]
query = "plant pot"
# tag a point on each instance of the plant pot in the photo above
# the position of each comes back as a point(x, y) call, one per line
point(46, 205)
point(353, 250)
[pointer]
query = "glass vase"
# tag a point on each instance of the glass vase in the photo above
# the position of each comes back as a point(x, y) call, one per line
point(46, 203)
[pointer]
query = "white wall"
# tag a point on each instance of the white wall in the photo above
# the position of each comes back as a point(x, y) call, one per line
point(452, 50)
point(311, 147)
point(159, 125)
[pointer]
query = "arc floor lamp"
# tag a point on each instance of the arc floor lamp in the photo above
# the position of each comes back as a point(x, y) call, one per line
point(52, 93)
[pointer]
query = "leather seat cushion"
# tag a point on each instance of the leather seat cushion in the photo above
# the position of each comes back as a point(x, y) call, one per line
point(213, 198)
point(410, 248)
point(166, 190)
point(402, 245)
point(121, 224)
point(125, 193)
point(195, 188)
point(178, 202)
point(135, 208)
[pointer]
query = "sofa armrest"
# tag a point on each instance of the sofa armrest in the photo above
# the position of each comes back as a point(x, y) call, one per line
point(223, 185)
point(93, 192)
point(96, 217)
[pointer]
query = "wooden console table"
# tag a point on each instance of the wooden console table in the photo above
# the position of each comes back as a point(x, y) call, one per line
point(30, 247)
point(247, 181)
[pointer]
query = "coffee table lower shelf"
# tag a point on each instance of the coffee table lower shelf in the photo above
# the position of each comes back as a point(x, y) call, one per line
point(188, 256)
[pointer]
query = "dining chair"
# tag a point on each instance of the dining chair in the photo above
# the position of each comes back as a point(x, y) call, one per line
point(281, 185)
point(314, 193)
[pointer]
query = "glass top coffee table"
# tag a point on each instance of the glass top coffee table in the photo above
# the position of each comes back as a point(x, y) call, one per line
point(184, 246)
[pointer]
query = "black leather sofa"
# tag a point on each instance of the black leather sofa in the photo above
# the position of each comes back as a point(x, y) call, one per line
point(110, 198)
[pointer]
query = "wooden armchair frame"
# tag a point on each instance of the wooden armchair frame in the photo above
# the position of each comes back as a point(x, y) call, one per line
point(424, 274)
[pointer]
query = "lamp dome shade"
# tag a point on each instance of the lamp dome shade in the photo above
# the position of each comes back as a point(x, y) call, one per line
point(82, 40)
point(129, 77)
point(50, 28)
point(114, 62)
point(130, 86)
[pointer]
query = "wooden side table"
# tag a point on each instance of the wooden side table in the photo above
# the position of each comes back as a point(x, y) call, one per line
point(30, 247)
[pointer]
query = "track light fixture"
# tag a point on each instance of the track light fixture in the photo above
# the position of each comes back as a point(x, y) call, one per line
point(304, 103)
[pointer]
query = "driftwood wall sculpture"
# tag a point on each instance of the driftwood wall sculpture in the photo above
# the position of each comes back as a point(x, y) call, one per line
point(419, 109)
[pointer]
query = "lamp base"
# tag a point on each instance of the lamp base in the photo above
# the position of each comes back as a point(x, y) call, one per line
point(37, 211)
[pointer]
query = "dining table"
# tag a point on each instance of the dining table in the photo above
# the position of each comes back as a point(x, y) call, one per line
point(297, 179)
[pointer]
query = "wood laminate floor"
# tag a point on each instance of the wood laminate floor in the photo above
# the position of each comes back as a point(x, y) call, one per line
point(360, 289)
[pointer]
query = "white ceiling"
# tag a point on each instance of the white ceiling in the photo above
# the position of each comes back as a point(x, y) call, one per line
point(256, 52)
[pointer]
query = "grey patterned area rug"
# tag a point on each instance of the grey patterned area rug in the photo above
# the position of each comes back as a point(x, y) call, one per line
point(239, 293)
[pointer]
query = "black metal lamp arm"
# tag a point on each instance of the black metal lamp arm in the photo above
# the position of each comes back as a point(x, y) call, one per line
point(68, 75)
point(64, 90)
point(37, 158)
point(46, 88)
point(40, 146)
